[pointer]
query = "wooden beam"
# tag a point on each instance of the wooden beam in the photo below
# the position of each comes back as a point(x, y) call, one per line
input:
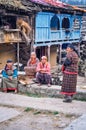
point(49, 54)
point(18, 55)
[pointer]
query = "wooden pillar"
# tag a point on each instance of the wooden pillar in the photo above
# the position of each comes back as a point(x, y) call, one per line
point(18, 55)
point(34, 49)
point(60, 54)
point(49, 53)
point(32, 32)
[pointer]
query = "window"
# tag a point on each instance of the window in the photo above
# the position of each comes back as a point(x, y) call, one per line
point(55, 25)
point(8, 22)
point(65, 23)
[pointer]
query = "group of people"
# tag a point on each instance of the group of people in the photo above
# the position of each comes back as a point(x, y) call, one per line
point(41, 70)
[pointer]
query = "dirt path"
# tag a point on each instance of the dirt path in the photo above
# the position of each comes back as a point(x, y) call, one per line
point(37, 120)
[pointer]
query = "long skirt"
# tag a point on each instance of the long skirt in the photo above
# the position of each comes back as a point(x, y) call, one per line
point(8, 84)
point(43, 78)
point(69, 84)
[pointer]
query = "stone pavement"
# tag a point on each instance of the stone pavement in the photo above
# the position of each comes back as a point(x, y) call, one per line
point(45, 104)
point(78, 124)
point(7, 113)
point(77, 108)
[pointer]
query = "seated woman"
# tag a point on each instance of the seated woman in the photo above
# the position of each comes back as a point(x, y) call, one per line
point(32, 63)
point(9, 77)
point(43, 72)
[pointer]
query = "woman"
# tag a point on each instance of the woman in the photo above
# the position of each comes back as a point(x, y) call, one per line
point(32, 63)
point(43, 72)
point(70, 71)
point(9, 77)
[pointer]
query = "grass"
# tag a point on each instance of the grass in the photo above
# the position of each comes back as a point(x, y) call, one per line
point(33, 95)
point(55, 112)
point(80, 99)
point(36, 112)
point(28, 109)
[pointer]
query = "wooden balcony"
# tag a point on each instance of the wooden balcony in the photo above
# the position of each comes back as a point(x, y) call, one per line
point(10, 36)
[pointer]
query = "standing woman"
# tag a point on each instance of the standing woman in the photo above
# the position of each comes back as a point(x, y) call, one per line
point(70, 71)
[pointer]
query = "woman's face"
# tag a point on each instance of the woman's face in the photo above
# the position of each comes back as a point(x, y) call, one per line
point(9, 64)
point(44, 61)
point(68, 49)
point(33, 56)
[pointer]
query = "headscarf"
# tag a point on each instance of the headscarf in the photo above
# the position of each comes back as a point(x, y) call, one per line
point(73, 48)
point(44, 57)
point(33, 61)
point(9, 61)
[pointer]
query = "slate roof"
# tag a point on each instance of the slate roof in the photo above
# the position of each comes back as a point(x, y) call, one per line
point(12, 3)
point(36, 5)
point(58, 4)
point(23, 5)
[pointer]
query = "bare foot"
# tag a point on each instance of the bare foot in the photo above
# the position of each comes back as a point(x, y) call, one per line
point(16, 91)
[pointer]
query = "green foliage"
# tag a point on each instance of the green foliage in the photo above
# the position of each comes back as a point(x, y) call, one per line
point(55, 112)
point(33, 95)
point(28, 109)
point(37, 112)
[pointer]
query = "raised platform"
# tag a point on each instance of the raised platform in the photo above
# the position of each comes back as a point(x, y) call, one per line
point(33, 89)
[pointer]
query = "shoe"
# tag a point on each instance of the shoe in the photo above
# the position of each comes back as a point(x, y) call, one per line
point(68, 99)
point(49, 85)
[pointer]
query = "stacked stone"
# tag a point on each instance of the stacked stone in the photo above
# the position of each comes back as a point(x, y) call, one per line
point(83, 30)
point(82, 63)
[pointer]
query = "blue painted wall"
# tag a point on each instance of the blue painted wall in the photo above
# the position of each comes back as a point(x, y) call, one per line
point(44, 31)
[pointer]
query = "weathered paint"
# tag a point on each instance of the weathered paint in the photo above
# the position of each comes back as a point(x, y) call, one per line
point(43, 32)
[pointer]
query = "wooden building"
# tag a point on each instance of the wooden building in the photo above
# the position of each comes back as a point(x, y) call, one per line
point(54, 25)
point(10, 35)
point(55, 28)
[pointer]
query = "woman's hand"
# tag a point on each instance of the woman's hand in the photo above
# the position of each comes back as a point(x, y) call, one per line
point(10, 77)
